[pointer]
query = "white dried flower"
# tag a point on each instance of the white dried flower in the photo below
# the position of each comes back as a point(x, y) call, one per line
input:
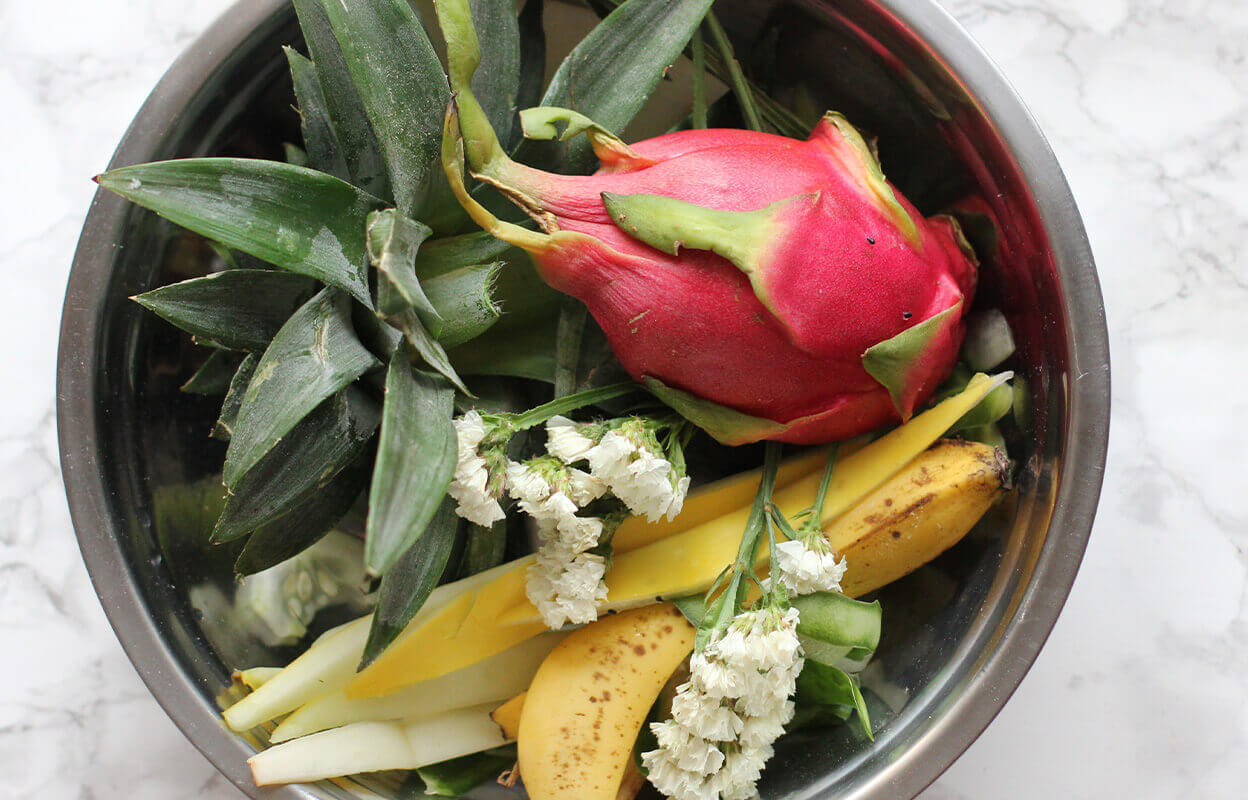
point(675, 782)
point(475, 487)
point(565, 583)
point(630, 463)
point(806, 566)
point(565, 440)
point(734, 705)
point(584, 488)
point(567, 588)
point(705, 716)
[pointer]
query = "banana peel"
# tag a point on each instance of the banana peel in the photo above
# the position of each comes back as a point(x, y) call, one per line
point(918, 514)
point(581, 714)
point(507, 716)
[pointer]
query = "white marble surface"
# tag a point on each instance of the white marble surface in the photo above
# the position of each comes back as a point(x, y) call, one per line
point(1142, 691)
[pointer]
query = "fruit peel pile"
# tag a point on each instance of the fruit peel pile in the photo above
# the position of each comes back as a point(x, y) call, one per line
point(369, 343)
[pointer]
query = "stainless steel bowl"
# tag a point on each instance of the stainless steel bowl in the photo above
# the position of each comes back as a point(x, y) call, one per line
point(960, 635)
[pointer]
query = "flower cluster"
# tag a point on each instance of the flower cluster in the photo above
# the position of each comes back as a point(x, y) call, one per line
point(626, 463)
point(808, 564)
point(628, 468)
point(628, 459)
point(565, 583)
point(734, 705)
point(479, 471)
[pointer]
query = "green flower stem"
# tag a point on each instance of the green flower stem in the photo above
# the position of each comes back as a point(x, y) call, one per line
point(736, 78)
point(571, 402)
point(698, 46)
point(729, 602)
point(816, 512)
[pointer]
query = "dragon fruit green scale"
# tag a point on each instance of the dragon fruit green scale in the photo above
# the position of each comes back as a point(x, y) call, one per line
point(765, 287)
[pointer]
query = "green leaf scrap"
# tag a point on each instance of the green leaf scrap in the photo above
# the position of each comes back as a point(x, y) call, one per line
point(315, 354)
point(308, 456)
point(822, 685)
point(415, 461)
point(406, 586)
point(460, 775)
point(239, 309)
point(292, 217)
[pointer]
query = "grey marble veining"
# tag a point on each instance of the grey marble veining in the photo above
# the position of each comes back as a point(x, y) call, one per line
point(1141, 692)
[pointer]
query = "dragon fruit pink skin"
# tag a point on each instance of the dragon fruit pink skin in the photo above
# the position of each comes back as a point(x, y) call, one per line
point(765, 287)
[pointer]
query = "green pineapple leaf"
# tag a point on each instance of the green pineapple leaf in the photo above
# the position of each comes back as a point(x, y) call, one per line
point(292, 217)
point(239, 309)
point(404, 92)
point(453, 252)
point(314, 355)
point(508, 350)
point(325, 442)
point(485, 548)
point(356, 140)
point(228, 418)
point(532, 64)
point(295, 154)
point(319, 141)
point(214, 375)
point(522, 342)
point(569, 334)
point(407, 584)
point(393, 241)
point(416, 459)
point(464, 297)
point(497, 80)
point(427, 347)
point(613, 71)
point(305, 524)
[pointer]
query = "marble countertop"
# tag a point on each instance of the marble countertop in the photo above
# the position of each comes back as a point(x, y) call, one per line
point(1141, 692)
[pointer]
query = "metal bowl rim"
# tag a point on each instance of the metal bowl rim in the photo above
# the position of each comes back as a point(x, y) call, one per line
point(1078, 490)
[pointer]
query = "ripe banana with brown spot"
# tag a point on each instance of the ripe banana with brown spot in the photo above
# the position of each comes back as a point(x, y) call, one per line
point(917, 514)
point(581, 715)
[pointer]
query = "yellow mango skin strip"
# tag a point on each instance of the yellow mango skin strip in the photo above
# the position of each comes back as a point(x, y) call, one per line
point(502, 616)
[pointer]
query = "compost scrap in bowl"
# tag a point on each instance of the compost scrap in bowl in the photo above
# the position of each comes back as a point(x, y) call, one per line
point(723, 387)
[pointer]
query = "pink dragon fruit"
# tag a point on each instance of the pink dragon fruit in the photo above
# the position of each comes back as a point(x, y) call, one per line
point(764, 287)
